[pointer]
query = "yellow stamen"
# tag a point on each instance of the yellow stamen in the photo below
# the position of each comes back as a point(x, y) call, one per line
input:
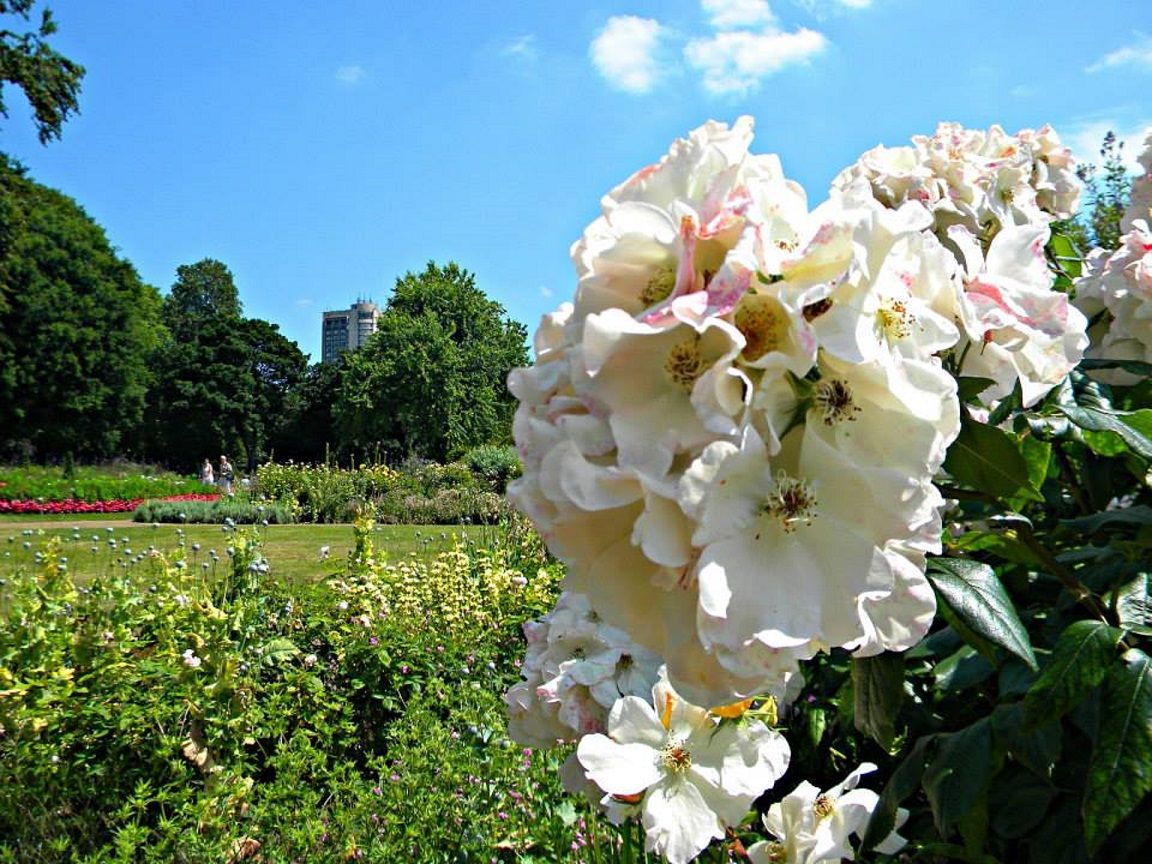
point(684, 364)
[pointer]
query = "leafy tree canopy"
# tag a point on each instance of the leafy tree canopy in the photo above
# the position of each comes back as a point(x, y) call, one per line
point(430, 382)
point(223, 380)
point(76, 326)
point(1106, 191)
point(50, 81)
point(202, 293)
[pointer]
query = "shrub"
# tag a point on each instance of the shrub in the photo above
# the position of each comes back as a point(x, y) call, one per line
point(238, 511)
point(494, 465)
point(92, 483)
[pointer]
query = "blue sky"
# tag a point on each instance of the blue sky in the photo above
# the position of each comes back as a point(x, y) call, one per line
point(321, 150)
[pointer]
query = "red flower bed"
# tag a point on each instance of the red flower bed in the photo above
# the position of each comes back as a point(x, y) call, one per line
point(116, 505)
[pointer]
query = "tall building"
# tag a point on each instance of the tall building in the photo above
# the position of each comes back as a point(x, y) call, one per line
point(347, 329)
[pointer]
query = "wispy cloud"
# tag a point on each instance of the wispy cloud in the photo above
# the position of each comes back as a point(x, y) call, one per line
point(350, 75)
point(523, 47)
point(1085, 139)
point(546, 292)
point(1138, 55)
point(822, 8)
point(304, 303)
point(736, 61)
point(625, 52)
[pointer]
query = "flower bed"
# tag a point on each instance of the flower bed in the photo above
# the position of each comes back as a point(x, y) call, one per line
point(72, 505)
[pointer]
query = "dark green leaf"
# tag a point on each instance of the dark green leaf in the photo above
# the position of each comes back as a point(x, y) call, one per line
point(989, 460)
point(1004, 545)
point(1019, 802)
point(1037, 456)
point(958, 774)
point(973, 827)
point(1136, 367)
point(1036, 749)
point(970, 388)
point(1081, 659)
point(973, 591)
point(1120, 773)
point(1135, 427)
point(961, 670)
point(1138, 515)
point(1059, 838)
point(903, 782)
point(878, 688)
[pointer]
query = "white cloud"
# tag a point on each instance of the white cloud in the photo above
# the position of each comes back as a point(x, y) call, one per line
point(1138, 54)
point(734, 62)
point(523, 46)
point(303, 302)
point(350, 75)
point(821, 8)
point(724, 14)
point(625, 51)
point(1085, 140)
point(545, 291)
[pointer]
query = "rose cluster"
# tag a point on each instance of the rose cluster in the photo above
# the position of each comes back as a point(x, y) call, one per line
point(730, 436)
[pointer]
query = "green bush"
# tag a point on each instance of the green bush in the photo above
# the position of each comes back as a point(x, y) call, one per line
point(494, 465)
point(121, 480)
point(418, 492)
point(238, 511)
point(446, 507)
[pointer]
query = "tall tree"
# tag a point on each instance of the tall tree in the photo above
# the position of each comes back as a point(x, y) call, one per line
point(203, 293)
point(223, 380)
point(274, 369)
point(50, 81)
point(1106, 194)
point(430, 382)
point(309, 428)
point(76, 326)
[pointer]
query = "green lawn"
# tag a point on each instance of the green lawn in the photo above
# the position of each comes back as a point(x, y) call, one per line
point(294, 551)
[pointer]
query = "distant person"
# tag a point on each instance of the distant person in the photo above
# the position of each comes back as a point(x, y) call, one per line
point(207, 477)
point(225, 475)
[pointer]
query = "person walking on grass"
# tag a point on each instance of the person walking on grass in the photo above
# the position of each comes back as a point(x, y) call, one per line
point(207, 477)
point(225, 475)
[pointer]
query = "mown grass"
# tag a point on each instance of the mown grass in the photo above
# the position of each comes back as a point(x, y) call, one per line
point(294, 550)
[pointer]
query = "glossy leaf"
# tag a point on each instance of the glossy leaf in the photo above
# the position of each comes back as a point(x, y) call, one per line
point(1120, 773)
point(878, 688)
point(1134, 605)
point(989, 460)
point(1134, 427)
point(974, 593)
point(1081, 659)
